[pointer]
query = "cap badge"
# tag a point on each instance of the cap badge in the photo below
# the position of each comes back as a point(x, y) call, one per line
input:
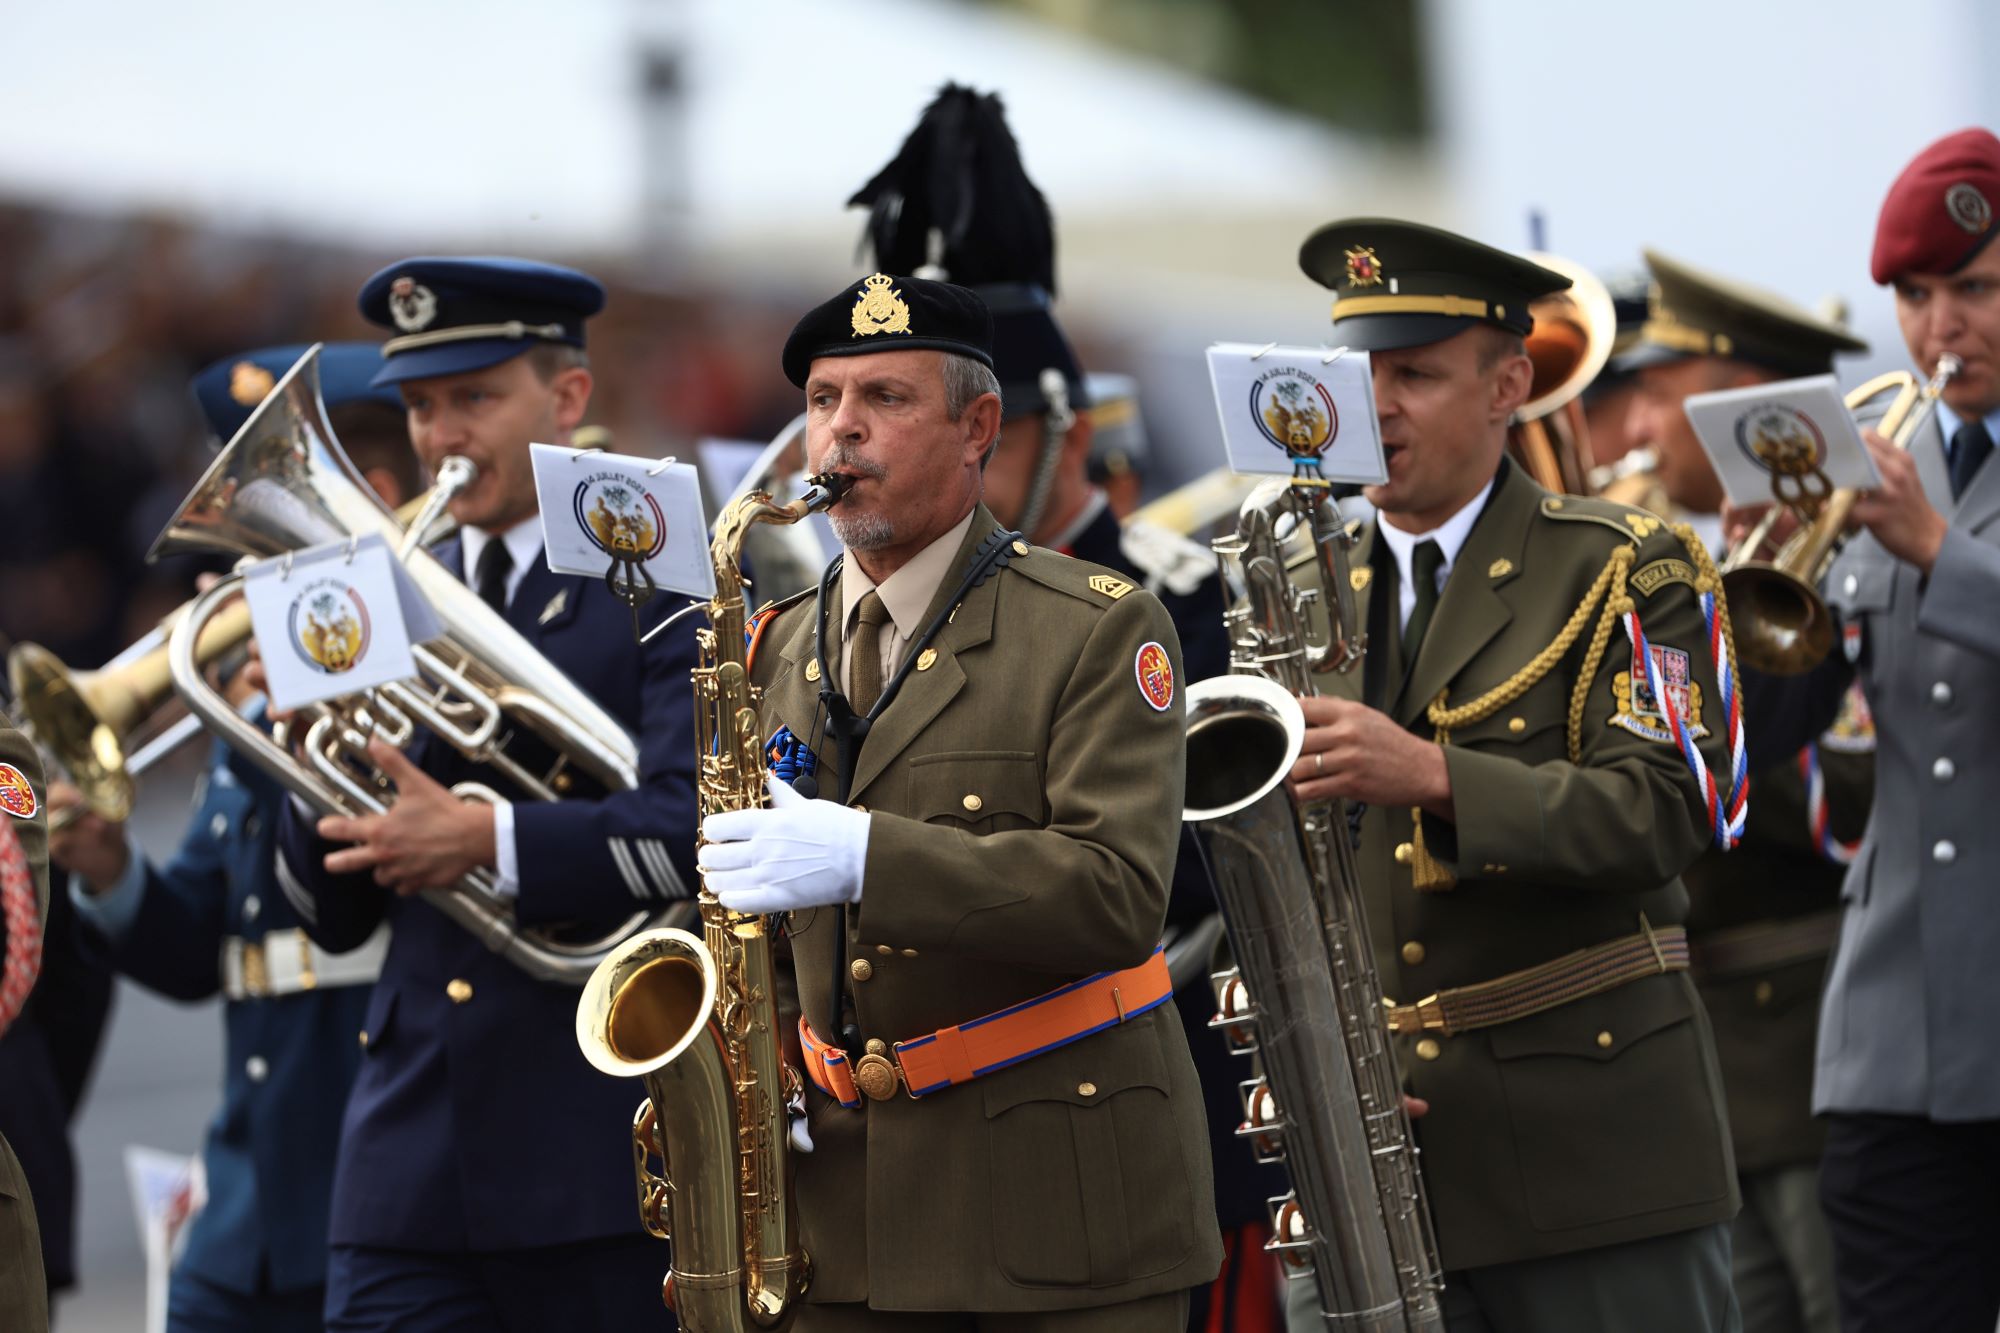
point(1363, 268)
point(411, 304)
point(1968, 208)
point(249, 383)
point(879, 308)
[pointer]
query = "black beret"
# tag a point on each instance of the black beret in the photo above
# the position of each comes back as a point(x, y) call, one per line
point(884, 314)
point(1402, 284)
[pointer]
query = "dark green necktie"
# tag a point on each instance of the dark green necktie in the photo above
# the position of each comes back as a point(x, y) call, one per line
point(1425, 562)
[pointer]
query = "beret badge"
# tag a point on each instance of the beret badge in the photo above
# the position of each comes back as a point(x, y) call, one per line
point(879, 308)
point(411, 304)
point(1968, 208)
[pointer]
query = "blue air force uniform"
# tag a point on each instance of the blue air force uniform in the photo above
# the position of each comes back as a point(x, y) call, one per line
point(209, 922)
point(485, 1176)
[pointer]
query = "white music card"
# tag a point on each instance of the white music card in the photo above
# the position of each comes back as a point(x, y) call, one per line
point(1781, 432)
point(598, 506)
point(1283, 404)
point(336, 619)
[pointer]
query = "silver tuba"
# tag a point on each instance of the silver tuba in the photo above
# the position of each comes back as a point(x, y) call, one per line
point(1304, 994)
point(283, 484)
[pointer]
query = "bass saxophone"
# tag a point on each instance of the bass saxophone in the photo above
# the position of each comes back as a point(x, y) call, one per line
point(697, 1019)
point(1304, 994)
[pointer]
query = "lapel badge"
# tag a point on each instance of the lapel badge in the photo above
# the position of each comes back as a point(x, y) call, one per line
point(926, 658)
point(812, 669)
point(411, 304)
point(1968, 208)
point(249, 383)
point(1360, 577)
point(1106, 585)
point(879, 308)
point(554, 608)
point(1363, 268)
point(1500, 568)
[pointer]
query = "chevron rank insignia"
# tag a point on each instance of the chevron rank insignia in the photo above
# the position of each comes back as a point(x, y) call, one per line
point(554, 608)
point(1111, 587)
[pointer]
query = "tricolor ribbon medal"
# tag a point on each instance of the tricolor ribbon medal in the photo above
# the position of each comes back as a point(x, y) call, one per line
point(1155, 671)
point(329, 626)
point(17, 795)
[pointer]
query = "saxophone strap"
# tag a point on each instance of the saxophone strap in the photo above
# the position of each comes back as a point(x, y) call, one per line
point(1546, 986)
point(966, 1051)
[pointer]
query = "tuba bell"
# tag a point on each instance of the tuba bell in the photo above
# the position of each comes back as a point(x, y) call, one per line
point(283, 484)
point(1782, 625)
point(1569, 346)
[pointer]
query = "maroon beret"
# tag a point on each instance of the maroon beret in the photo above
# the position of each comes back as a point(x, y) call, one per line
point(1939, 213)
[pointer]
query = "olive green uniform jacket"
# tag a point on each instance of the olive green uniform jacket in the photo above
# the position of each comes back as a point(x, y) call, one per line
point(1600, 1121)
point(23, 1293)
point(1766, 1018)
point(1079, 1177)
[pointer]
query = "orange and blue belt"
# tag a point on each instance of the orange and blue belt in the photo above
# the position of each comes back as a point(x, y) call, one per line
point(968, 1050)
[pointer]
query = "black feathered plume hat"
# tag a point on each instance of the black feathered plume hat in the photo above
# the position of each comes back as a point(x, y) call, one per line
point(956, 204)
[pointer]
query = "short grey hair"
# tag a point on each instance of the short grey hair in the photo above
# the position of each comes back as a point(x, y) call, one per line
point(965, 380)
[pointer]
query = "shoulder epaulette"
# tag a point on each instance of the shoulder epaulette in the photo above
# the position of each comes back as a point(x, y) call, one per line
point(1632, 524)
point(1079, 578)
point(761, 620)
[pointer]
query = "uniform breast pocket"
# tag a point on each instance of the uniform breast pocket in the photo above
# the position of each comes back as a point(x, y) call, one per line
point(1613, 1106)
point(1089, 1185)
point(982, 791)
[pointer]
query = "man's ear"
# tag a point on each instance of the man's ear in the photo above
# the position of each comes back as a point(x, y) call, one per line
point(981, 424)
point(571, 388)
point(1513, 377)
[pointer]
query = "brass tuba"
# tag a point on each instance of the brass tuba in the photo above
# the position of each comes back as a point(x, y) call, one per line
point(283, 484)
point(697, 1019)
point(1782, 624)
point(1305, 995)
point(1569, 346)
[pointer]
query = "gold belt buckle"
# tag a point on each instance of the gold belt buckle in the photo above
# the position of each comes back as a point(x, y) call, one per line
point(875, 1075)
point(1426, 1015)
point(256, 976)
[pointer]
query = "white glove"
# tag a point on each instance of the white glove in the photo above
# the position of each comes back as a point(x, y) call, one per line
point(798, 853)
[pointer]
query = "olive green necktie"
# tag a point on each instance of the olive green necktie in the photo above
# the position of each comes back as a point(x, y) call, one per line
point(864, 671)
point(1425, 562)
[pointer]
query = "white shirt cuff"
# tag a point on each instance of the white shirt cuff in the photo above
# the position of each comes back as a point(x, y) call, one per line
point(506, 860)
point(114, 910)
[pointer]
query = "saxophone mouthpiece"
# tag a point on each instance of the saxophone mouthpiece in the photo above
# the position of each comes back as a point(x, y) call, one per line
point(824, 491)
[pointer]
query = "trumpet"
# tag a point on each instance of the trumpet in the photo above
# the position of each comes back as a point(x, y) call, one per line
point(283, 484)
point(1782, 624)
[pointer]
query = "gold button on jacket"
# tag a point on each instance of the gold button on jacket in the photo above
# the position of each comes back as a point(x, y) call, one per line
point(1086, 1176)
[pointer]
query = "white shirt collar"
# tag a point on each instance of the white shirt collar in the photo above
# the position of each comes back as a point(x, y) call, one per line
point(1449, 535)
point(524, 543)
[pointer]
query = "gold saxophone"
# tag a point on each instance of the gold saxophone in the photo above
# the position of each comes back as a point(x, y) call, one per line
point(697, 1019)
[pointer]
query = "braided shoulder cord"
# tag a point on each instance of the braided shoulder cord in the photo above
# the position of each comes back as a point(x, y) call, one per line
point(1426, 873)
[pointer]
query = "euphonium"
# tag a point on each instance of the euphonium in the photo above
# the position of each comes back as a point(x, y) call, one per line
point(1304, 994)
point(697, 1019)
point(1569, 346)
point(283, 484)
point(87, 720)
point(1782, 624)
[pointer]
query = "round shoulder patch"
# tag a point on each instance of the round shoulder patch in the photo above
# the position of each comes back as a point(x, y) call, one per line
point(18, 798)
point(1155, 671)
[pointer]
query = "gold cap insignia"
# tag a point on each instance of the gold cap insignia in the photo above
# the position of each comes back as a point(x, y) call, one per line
point(411, 304)
point(879, 308)
point(249, 383)
point(1114, 588)
point(1363, 268)
point(1360, 577)
point(1500, 568)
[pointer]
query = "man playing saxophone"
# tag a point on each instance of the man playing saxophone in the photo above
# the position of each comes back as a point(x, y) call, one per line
point(1538, 734)
point(478, 1185)
point(1007, 1128)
